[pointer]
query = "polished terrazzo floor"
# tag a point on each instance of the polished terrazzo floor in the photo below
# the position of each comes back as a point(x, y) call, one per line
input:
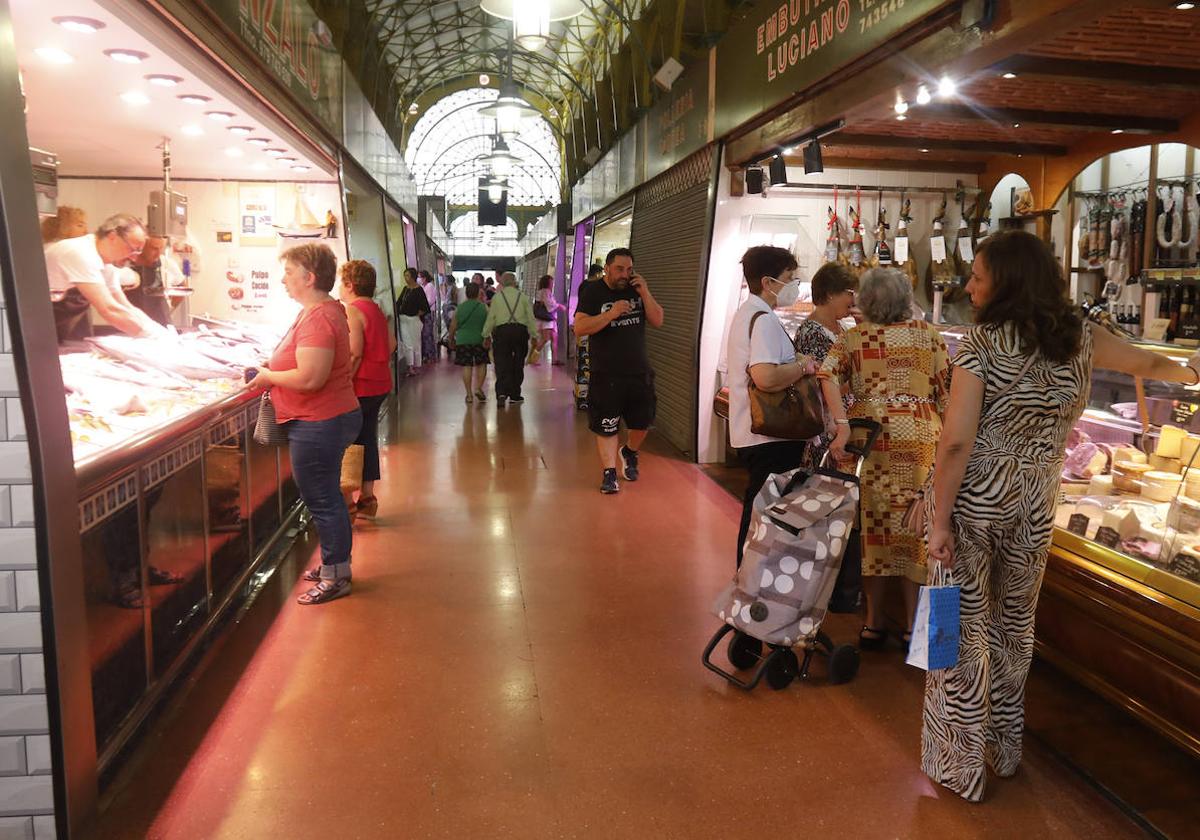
point(521, 658)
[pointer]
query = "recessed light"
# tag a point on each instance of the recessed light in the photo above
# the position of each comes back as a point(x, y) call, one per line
point(194, 98)
point(164, 80)
point(241, 130)
point(301, 168)
point(85, 25)
point(1118, 131)
point(276, 152)
point(54, 55)
point(901, 117)
point(233, 151)
point(1185, 7)
point(412, 109)
point(192, 130)
point(1016, 125)
point(127, 56)
point(220, 116)
point(924, 151)
point(901, 106)
point(485, 79)
point(946, 87)
point(135, 97)
point(1008, 75)
point(923, 95)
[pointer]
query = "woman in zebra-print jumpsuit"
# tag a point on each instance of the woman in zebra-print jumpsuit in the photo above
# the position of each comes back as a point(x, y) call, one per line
point(996, 485)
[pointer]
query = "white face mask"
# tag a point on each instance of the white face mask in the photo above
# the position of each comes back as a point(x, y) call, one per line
point(788, 295)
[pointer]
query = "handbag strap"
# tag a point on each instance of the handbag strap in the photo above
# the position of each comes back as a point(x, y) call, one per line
point(1029, 360)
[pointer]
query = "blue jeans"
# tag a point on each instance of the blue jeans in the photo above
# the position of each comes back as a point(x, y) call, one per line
point(316, 448)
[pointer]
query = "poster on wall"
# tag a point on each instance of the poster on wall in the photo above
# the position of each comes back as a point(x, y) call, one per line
point(256, 207)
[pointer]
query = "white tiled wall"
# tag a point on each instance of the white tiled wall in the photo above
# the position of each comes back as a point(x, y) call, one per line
point(26, 797)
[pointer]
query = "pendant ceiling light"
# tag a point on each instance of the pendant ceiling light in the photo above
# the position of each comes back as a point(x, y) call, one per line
point(501, 161)
point(509, 110)
point(495, 191)
point(531, 18)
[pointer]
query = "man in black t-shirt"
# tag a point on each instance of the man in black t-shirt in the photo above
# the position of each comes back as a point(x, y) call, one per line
point(613, 313)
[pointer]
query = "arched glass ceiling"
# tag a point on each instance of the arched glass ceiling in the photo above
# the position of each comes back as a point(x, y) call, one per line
point(445, 144)
point(471, 240)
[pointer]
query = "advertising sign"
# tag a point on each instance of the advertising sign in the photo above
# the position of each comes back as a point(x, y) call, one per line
point(786, 46)
point(678, 124)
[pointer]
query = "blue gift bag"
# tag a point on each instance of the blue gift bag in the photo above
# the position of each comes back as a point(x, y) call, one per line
point(935, 629)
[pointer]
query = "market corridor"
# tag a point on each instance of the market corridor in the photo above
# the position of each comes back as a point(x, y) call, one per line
point(520, 658)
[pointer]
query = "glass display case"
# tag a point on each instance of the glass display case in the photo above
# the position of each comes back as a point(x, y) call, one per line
point(1130, 497)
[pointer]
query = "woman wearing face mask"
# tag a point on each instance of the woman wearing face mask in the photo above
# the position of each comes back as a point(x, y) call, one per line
point(898, 371)
point(760, 348)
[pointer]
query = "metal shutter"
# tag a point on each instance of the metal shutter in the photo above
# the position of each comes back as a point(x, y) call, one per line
point(672, 228)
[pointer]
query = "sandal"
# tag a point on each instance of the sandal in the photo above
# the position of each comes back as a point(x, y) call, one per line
point(325, 590)
point(368, 507)
point(481, 396)
point(313, 574)
point(470, 399)
point(871, 638)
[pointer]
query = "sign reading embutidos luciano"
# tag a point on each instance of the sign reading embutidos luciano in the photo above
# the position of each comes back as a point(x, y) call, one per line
point(786, 46)
point(283, 34)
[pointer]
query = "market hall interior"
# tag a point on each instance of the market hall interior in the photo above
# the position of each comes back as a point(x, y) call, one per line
point(521, 658)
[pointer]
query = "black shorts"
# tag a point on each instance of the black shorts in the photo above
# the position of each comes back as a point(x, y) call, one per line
point(612, 399)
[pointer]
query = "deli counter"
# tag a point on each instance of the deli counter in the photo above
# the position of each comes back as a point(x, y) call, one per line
point(1119, 609)
point(178, 505)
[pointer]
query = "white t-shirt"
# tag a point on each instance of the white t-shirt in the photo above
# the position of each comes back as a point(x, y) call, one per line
point(75, 261)
point(771, 345)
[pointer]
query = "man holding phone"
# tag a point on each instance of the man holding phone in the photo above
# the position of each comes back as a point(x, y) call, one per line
point(614, 313)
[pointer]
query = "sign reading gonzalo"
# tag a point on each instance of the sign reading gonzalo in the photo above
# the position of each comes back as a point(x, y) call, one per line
point(786, 46)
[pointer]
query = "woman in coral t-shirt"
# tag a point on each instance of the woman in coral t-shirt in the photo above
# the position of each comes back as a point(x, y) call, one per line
point(372, 342)
point(309, 376)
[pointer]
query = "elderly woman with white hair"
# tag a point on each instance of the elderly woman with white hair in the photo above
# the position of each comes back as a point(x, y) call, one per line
point(898, 370)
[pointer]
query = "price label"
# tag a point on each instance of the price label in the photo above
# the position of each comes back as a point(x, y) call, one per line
point(965, 249)
point(937, 248)
point(1156, 330)
point(900, 252)
point(1078, 524)
point(1186, 566)
point(1107, 537)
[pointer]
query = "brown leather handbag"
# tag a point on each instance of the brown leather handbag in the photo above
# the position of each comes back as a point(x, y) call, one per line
point(795, 413)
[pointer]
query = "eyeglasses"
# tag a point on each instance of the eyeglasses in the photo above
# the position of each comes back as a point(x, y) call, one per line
point(133, 252)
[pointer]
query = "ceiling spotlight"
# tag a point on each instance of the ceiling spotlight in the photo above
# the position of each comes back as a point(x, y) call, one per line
point(485, 79)
point(220, 116)
point(127, 56)
point(85, 25)
point(924, 151)
point(276, 152)
point(812, 158)
point(1185, 7)
point(946, 87)
point(194, 98)
point(1118, 131)
point(53, 55)
point(923, 96)
point(258, 141)
point(901, 106)
point(192, 130)
point(163, 80)
point(240, 130)
point(901, 117)
point(135, 97)
point(777, 171)
point(1016, 125)
point(1008, 75)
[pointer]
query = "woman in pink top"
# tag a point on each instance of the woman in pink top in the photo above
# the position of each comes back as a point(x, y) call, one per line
point(309, 376)
point(372, 342)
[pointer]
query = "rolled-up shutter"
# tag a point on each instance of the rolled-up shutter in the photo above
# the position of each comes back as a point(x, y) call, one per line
point(672, 227)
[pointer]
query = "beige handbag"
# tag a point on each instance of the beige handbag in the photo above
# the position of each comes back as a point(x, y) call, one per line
point(795, 413)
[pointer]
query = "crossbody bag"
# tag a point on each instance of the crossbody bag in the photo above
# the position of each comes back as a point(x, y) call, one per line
point(794, 413)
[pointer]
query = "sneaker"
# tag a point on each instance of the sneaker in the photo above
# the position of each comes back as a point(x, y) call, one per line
point(629, 462)
point(500, 401)
point(516, 400)
point(609, 485)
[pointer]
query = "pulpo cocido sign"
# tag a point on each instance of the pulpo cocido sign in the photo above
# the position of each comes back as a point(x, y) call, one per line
point(787, 46)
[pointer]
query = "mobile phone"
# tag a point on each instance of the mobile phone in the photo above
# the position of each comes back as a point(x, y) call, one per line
point(250, 373)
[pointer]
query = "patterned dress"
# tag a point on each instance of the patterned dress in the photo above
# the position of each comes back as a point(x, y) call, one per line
point(814, 340)
point(899, 375)
point(1003, 522)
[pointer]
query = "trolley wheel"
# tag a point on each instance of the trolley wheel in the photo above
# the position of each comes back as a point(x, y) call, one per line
point(744, 651)
point(843, 664)
point(782, 669)
point(823, 640)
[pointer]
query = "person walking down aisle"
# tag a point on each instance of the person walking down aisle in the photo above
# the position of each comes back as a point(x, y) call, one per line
point(613, 314)
point(372, 342)
point(546, 309)
point(309, 376)
point(428, 342)
point(760, 349)
point(897, 370)
point(468, 345)
point(1022, 378)
point(412, 308)
point(510, 324)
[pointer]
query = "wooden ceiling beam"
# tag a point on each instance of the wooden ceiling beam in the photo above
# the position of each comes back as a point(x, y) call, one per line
point(832, 160)
point(1108, 72)
point(1128, 123)
point(989, 147)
